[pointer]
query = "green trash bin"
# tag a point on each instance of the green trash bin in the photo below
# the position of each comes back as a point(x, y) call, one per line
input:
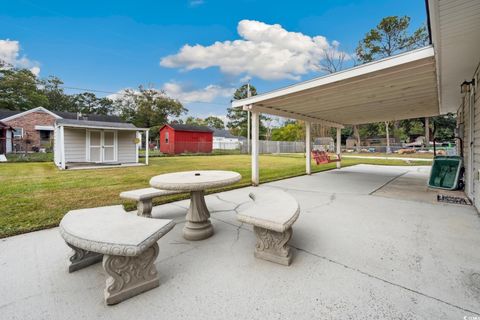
point(445, 173)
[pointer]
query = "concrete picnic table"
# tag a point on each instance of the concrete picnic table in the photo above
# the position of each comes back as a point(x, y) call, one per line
point(198, 225)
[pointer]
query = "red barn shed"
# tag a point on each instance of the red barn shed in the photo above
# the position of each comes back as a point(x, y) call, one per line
point(182, 138)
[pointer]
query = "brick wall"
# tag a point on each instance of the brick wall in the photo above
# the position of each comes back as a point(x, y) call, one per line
point(31, 137)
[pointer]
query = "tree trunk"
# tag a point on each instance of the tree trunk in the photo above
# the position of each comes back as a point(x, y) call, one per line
point(357, 137)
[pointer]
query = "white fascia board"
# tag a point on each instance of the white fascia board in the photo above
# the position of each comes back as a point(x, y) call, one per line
point(432, 7)
point(46, 128)
point(41, 109)
point(374, 66)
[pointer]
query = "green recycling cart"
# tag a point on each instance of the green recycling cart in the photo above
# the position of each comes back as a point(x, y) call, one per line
point(446, 172)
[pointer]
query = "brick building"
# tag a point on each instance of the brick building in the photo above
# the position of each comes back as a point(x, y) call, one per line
point(33, 130)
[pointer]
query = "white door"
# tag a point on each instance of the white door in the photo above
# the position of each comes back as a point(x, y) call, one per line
point(94, 139)
point(101, 146)
point(109, 146)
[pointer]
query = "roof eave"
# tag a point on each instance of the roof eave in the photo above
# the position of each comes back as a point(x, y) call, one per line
point(378, 65)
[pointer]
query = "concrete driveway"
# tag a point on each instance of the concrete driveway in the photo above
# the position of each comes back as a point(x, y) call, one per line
point(360, 253)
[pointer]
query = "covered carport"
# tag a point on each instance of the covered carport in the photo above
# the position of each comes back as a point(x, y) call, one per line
point(395, 88)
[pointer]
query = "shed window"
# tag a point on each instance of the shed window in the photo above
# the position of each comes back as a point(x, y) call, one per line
point(166, 137)
point(18, 133)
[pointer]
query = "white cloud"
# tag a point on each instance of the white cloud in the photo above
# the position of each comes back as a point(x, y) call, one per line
point(195, 3)
point(10, 53)
point(207, 94)
point(177, 91)
point(266, 51)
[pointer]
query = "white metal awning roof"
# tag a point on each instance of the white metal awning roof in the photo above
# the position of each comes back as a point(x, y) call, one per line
point(455, 27)
point(399, 87)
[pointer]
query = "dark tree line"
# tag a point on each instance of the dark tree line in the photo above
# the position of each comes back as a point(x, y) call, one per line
point(145, 107)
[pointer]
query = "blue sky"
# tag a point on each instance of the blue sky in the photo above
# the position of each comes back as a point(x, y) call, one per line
point(112, 45)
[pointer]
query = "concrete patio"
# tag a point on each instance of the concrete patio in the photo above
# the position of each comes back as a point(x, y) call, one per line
point(360, 253)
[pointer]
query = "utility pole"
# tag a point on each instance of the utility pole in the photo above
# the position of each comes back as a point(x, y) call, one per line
point(388, 137)
point(248, 120)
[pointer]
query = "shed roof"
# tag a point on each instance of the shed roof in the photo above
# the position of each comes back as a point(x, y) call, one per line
point(188, 127)
point(96, 124)
point(5, 113)
point(90, 117)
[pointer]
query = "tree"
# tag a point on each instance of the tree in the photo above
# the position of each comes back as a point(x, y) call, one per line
point(89, 103)
point(57, 99)
point(19, 89)
point(214, 122)
point(444, 126)
point(238, 118)
point(150, 107)
point(290, 131)
point(333, 59)
point(390, 37)
point(211, 121)
point(194, 121)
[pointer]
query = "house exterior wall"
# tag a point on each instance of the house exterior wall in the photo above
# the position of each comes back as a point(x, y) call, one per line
point(474, 100)
point(126, 147)
point(31, 137)
point(468, 120)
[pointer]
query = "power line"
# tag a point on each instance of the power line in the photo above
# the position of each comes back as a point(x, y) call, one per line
point(122, 93)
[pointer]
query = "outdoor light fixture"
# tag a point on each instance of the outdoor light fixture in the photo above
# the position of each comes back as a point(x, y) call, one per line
point(465, 86)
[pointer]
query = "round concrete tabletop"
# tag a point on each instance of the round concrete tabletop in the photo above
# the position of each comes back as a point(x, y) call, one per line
point(194, 180)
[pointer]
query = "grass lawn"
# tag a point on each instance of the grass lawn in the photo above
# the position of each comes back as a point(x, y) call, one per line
point(36, 195)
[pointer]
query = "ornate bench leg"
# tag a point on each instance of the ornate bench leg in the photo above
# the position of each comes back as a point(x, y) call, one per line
point(272, 245)
point(129, 276)
point(82, 258)
point(144, 208)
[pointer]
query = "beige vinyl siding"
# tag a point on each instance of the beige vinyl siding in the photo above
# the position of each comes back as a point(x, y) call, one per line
point(75, 145)
point(476, 144)
point(127, 149)
point(466, 144)
point(469, 112)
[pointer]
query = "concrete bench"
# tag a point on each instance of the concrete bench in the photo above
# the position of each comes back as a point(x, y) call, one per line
point(272, 213)
point(144, 198)
point(126, 242)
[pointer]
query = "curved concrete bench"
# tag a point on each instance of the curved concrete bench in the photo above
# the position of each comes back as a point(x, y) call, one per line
point(272, 213)
point(144, 198)
point(127, 243)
